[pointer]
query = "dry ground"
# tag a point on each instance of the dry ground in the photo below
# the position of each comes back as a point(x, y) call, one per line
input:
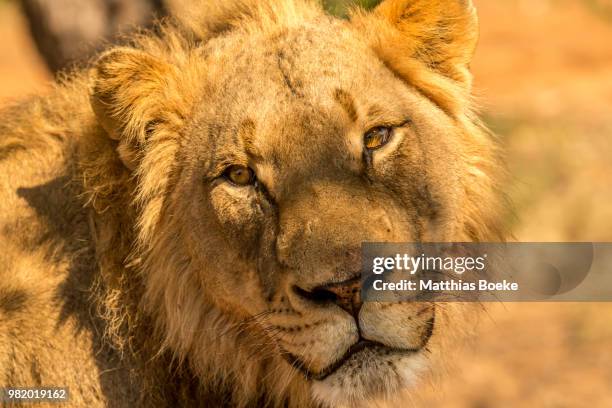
point(544, 74)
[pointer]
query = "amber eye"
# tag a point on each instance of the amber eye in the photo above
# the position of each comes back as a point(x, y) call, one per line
point(377, 137)
point(240, 175)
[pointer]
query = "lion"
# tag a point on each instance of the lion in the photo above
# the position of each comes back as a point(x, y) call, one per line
point(182, 221)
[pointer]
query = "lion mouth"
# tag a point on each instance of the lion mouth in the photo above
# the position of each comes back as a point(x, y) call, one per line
point(361, 346)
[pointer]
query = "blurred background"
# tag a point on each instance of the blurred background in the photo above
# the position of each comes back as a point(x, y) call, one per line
point(543, 74)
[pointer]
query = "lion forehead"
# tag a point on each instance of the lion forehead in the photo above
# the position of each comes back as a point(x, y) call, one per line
point(301, 62)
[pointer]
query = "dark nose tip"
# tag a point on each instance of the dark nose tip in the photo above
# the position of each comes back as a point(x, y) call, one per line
point(345, 294)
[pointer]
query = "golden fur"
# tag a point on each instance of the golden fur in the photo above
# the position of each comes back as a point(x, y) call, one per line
point(135, 274)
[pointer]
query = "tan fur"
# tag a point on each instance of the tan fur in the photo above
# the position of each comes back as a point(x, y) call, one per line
point(135, 275)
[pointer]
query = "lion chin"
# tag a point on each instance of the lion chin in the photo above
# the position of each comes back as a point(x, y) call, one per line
point(371, 374)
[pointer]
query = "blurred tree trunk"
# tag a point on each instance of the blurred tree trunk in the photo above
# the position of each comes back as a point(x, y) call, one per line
point(71, 31)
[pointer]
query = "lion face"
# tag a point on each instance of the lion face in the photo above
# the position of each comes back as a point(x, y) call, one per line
point(280, 169)
point(291, 143)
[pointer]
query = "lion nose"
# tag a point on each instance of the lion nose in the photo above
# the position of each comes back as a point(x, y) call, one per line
point(345, 294)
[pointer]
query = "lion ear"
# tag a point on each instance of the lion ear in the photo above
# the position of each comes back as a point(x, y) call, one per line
point(429, 43)
point(127, 89)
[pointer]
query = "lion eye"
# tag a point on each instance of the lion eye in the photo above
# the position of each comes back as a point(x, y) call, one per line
point(377, 137)
point(240, 175)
